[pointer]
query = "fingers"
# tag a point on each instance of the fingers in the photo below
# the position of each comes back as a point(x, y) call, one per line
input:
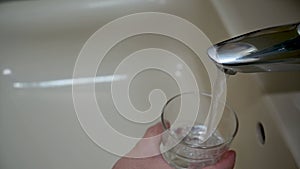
point(227, 161)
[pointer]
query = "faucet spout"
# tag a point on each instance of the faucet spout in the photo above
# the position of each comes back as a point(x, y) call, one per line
point(267, 50)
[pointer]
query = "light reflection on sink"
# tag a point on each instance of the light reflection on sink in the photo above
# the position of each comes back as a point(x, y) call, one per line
point(69, 82)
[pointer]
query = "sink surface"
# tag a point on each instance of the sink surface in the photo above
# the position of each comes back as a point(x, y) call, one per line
point(40, 42)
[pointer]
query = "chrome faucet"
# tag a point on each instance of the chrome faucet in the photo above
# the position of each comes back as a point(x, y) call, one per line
point(266, 50)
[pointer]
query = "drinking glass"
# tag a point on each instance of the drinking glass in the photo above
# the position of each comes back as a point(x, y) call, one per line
point(183, 144)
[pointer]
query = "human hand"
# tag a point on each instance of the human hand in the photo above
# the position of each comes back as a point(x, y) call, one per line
point(148, 147)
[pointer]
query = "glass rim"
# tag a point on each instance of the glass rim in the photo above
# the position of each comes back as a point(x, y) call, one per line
point(229, 140)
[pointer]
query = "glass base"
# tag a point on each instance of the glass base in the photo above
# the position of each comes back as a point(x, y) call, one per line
point(181, 163)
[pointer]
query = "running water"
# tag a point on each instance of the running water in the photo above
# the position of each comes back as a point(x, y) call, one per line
point(217, 105)
point(200, 133)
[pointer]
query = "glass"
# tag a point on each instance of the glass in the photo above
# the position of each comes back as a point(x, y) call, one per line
point(182, 143)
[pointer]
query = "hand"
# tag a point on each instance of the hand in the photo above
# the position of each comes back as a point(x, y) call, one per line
point(151, 146)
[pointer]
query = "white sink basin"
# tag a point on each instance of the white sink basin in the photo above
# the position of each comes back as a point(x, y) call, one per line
point(39, 45)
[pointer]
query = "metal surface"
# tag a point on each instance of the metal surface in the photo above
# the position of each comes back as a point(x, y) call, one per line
point(267, 50)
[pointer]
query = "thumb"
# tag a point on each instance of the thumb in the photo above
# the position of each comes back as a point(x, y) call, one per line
point(227, 161)
point(148, 146)
point(154, 130)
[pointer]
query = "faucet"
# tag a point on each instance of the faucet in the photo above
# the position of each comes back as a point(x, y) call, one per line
point(266, 50)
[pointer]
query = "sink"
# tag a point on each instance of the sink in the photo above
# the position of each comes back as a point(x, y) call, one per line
point(40, 42)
